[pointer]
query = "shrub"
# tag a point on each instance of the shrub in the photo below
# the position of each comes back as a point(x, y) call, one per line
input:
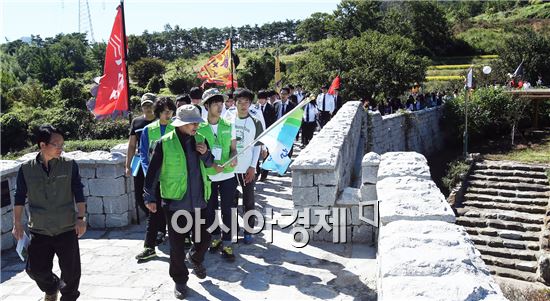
point(154, 84)
point(455, 170)
point(144, 69)
point(14, 132)
point(109, 129)
point(179, 83)
point(72, 93)
point(295, 48)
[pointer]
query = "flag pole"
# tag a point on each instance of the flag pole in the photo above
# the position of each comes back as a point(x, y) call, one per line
point(276, 123)
point(126, 64)
point(231, 59)
point(469, 83)
point(127, 79)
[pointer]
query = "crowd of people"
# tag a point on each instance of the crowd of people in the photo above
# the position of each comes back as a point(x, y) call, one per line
point(415, 102)
point(187, 157)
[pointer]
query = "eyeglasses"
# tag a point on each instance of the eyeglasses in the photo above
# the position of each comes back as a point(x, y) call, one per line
point(58, 146)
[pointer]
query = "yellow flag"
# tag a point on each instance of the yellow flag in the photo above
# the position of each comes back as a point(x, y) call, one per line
point(218, 68)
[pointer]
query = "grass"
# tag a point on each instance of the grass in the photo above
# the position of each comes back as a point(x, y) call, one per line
point(534, 153)
point(435, 72)
point(85, 146)
point(533, 11)
point(444, 77)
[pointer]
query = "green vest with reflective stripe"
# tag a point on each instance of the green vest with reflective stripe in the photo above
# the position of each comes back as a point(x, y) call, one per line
point(223, 140)
point(173, 174)
point(154, 134)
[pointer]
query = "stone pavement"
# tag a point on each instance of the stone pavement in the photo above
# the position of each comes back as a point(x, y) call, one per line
point(267, 271)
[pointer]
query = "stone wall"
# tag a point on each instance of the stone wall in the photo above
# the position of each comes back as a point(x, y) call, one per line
point(422, 254)
point(109, 193)
point(324, 169)
point(417, 131)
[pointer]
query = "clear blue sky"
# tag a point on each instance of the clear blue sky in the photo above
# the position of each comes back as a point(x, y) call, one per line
point(49, 17)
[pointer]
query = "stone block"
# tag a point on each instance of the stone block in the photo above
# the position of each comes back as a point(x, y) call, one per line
point(368, 192)
point(8, 241)
point(7, 209)
point(302, 178)
point(305, 196)
point(94, 205)
point(96, 220)
point(350, 196)
point(398, 164)
point(7, 222)
point(107, 187)
point(109, 171)
point(433, 259)
point(129, 185)
point(115, 205)
point(12, 181)
point(326, 178)
point(87, 171)
point(327, 195)
point(85, 186)
point(117, 220)
point(371, 159)
point(362, 234)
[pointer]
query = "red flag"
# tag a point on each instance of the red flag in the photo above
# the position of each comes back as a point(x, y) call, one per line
point(112, 95)
point(335, 85)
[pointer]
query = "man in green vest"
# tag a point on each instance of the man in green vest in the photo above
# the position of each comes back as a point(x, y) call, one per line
point(179, 164)
point(221, 136)
point(155, 230)
point(52, 185)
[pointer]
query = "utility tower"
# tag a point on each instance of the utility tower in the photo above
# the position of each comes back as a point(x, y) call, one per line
point(85, 20)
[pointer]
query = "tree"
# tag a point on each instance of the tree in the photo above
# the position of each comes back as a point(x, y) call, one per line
point(144, 69)
point(315, 28)
point(352, 17)
point(137, 48)
point(371, 64)
point(530, 47)
point(258, 71)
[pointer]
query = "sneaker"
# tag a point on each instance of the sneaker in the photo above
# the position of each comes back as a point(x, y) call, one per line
point(215, 245)
point(52, 296)
point(227, 253)
point(248, 239)
point(198, 268)
point(180, 291)
point(161, 237)
point(147, 254)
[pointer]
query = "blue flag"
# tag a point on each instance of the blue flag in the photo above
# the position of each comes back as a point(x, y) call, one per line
point(279, 142)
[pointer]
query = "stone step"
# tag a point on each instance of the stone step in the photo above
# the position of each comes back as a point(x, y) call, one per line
point(499, 242)
point(508, 234)
point(480, 177)
point(512, 273)
point(510, 165)
point(496, 224)
point(540, 202)
point(522, 187)
point(505, 215)
point(525, 255)
point(509, 193)
point(518, 265)
point(511, 173)
point(504, 206)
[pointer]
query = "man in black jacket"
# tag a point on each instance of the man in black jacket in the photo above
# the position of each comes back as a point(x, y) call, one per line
point(269, 117)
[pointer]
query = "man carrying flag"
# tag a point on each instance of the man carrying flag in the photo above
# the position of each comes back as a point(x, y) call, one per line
point(325, 105)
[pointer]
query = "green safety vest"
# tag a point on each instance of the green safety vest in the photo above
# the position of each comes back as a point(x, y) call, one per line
point(154, 134)
point(173, 174)
point(222, 140)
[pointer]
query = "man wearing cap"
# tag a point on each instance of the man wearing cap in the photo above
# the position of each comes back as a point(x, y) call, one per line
point(179, 164)
point(309, 121)
point(136, 128)
point(325, 105)
point(221, 138)
point(155, 230)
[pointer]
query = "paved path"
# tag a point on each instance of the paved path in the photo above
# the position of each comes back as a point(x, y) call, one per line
point(265, 271)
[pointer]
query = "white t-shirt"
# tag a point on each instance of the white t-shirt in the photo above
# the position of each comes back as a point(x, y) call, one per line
point(247, 130)
point(222, 176)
